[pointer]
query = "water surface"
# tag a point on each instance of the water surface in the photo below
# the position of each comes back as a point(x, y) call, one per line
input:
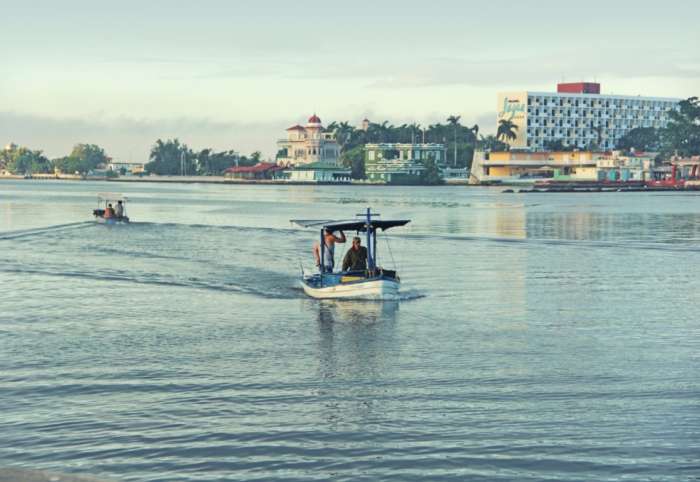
point(541, 337)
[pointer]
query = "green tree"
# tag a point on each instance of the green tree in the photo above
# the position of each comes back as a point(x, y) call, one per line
point(21, 160)
point(431, 176)
point(491, 143)
point(171, 158)
point(354, 159)
point(640, 139)
point(215, 163)
point(82, 159)
point(681, 135)
point(557, 145)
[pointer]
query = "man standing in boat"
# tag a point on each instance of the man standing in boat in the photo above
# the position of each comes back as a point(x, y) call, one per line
point(119, 212)
point(356, 257)
point(329, 239)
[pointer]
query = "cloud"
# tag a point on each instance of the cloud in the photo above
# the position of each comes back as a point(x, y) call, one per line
point(540, 69)
point(131, 138)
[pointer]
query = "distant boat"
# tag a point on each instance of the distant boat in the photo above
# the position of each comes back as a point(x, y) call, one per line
point(104, 199)
point(373, 283)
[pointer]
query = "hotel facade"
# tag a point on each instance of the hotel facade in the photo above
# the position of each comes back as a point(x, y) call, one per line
point(579, 116)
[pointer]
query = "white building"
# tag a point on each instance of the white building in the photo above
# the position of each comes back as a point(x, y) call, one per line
point(129, 167)
point(308, 144)
point(579, 116)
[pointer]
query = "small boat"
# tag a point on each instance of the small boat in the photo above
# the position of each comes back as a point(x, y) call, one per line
point(104, 199)
point(373, 283)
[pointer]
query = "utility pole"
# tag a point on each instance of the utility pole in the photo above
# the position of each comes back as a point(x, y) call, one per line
point(455, 158)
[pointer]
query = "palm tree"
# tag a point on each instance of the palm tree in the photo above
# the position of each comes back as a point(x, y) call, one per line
point(475, 130)
point(453, 120)
point(343, 133)
point(506, 130)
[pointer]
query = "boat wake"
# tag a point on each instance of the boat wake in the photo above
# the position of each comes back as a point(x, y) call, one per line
point(41, 231)
point(276, 289)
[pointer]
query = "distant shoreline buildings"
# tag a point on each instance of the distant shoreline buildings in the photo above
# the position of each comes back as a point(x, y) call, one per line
point(308, 144)
point(400, 163)
point(579, 116)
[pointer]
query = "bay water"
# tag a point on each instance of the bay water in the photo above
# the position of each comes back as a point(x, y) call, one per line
point(538, 336)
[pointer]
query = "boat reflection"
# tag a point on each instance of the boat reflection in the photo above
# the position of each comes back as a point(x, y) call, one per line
point(356, 311)
point(356, 349)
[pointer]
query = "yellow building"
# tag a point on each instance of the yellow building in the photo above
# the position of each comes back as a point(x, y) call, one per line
point(514, 167)
point(308, 144)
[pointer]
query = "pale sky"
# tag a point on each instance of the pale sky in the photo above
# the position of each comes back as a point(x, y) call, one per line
point(234, 75)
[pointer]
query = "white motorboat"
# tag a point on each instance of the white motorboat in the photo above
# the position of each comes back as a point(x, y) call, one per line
point(372, 283)
point(105, 200)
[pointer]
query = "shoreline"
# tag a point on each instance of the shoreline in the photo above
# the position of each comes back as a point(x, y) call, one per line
point(692, 186)
point(218, 180)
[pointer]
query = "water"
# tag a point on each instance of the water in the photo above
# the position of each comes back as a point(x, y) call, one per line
point(541, 337)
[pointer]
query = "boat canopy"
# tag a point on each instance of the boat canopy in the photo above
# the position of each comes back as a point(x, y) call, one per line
point(352, 224)
point(111, 196)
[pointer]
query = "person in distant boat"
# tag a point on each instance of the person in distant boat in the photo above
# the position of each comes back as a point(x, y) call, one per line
point(356, 257)
point(329, 240)
point(119, 211)
point(109, 212)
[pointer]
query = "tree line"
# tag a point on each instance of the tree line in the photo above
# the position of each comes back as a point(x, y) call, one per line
point(82, 159)
point(171, 157)
point(460, 141)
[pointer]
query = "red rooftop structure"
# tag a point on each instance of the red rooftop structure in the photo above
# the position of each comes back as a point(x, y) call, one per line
point(579, 88)
point(262, 170)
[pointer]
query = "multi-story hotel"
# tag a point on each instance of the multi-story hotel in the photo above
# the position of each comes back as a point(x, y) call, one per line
point(579, 116)
point(308, 144)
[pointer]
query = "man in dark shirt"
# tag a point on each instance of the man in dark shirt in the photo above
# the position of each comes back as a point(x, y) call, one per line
point(356, 257)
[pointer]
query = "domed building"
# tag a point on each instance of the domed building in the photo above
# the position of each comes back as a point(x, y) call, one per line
point(308, 144)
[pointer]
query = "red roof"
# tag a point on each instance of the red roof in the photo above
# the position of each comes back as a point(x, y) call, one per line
point(314, 119)
point(260, 167)
point(296, 128)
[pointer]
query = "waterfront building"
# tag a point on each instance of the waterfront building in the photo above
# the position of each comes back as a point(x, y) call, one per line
point(129, 167)
point(618, 166)
point(308, 144)
point(318, 172)
point(523, 167)
point(258, 172)
point(514, 167)
point(579, 116)
point(394, 163)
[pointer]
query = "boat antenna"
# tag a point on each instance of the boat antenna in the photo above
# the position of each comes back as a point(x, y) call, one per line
point(370, 259)
point(391, 253)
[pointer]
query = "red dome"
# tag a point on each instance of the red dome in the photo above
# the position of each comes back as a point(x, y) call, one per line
point(314, 119)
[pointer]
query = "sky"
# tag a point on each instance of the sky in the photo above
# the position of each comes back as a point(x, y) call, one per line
point(234, 75)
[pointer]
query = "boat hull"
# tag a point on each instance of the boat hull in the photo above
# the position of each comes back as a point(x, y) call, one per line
point(370, 289)
point(112, 221)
